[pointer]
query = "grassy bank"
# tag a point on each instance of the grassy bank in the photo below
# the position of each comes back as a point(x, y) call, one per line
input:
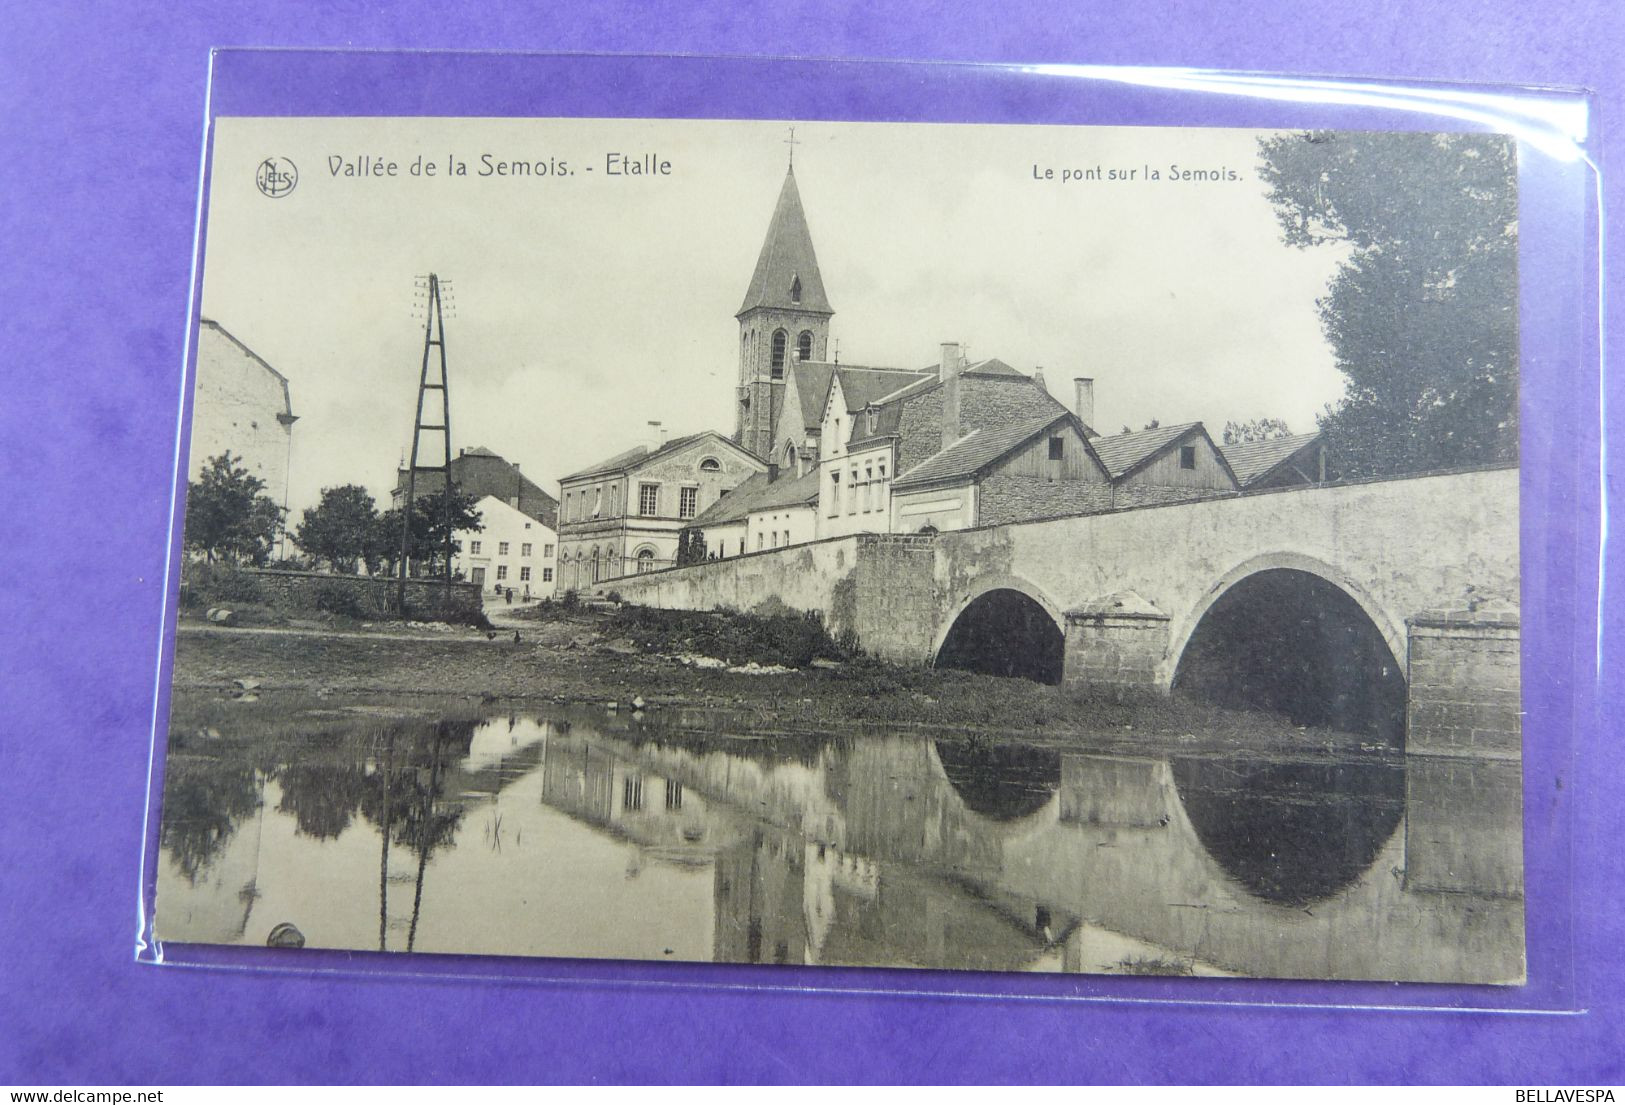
point(617, 657)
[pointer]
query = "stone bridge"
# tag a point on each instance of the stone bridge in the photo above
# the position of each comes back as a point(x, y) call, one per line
point(1410, 582)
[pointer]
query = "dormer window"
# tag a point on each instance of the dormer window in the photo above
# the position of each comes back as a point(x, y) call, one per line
point(872, 416)
point(795, 290)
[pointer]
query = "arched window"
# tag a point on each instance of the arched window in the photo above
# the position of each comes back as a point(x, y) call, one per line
point(646, 559)
point(795, 290)
point(710, 464)
point(804, 345)
point(778, 354)
point(595, 563)
point(789, 457)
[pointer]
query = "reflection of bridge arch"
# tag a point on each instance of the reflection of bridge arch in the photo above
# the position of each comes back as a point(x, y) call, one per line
point(1026, 820)
point(1182, 628)
point(1017, 603)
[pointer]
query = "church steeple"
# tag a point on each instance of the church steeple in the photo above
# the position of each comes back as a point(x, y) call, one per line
point(787, 264)
point(784, 318)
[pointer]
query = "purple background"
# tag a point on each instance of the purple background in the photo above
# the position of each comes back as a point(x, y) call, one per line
point(99, 162)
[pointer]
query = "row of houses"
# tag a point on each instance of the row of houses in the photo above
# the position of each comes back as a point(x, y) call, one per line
point(822, 449)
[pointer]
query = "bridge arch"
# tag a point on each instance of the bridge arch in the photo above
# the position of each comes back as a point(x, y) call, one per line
point(1015, 602)
point(1290, 632)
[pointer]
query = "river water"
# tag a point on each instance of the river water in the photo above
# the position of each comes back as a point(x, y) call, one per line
point(584, 833)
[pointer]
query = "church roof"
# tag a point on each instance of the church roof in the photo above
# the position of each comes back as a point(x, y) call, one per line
point(1253, 460)
point(787, 255)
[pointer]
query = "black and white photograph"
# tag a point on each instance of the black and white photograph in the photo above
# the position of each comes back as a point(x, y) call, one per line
point(964, 547)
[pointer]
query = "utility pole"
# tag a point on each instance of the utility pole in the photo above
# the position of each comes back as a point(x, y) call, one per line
point(434, 342)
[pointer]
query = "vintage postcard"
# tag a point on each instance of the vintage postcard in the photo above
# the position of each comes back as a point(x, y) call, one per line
point(1001, 548)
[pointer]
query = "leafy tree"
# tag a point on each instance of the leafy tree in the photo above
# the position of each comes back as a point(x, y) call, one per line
point(1255, 429)
point(340, 527)
point(227, 516)
point(690, 547)
point(431, 519)
point(1422, 312)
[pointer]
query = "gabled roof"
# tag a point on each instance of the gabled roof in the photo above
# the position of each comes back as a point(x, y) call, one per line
point(1252, 461)
point(787, 255)
point(1123, 452)
point(812, 386)
point(980, 448)
point(861, 385)
point(788, 491)
point(640, 455)
point(287, 401)
point(735, 505)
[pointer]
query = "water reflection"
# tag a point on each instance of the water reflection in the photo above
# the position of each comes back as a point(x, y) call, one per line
point(577, 833)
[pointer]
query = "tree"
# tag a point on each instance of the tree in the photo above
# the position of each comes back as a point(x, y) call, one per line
point(340, 527)
point(227, 517)
point(1422, 312)
point(690, 546)
point(1255, 429)
point(431, 521)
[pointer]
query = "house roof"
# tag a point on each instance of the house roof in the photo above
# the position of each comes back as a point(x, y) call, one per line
point(735, 505)
point(862, 385)
point(760, 493)
point(787, 255)
point(640, 455)
point(1123, 452)
point(1251, 461)
point(978, 449)
point(480, 471)
point(287, 401)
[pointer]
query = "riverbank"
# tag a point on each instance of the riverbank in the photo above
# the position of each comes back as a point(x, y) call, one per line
point(583, 659)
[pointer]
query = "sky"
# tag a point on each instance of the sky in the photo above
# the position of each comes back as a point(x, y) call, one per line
point(585, 304)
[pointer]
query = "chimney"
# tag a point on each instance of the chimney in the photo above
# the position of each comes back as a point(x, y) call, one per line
point(657, 435)
point(1085, 408)
point(951, 365)
point(1038, 377)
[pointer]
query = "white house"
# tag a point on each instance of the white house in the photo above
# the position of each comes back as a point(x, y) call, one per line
point(513, 552)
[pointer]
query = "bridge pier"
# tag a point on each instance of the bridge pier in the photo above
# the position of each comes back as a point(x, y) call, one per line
point(1464, 685)
point(1115, 646)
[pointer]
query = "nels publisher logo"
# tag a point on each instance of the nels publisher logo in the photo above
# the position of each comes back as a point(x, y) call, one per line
point(276, 176)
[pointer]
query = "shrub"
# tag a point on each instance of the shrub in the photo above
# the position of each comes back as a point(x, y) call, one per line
point(334, 597)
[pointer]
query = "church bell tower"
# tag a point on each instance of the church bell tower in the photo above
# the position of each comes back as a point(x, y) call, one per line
point(785, 317)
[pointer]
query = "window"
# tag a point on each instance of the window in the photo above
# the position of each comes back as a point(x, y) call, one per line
point(687, 499)
point(804, 345)
point(834, 494)
point(502, 548)
point(760, 541)
point(868, 487)
point(648, 499)
point(502, 571)
point(524, 575)
point(547, 550)
point(795, 290)
point(778, 354)
point(789, 457)
point(597, 501)
point(852, 493)
point(615, 498)
point(547, 575)
point(1057, 448)
point(674, 794)
point(646, 559)
point(524, 550)
point(873, 416)
point(1187, 456)
point(527, 525)
point(474, 548)
point(710, 464)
